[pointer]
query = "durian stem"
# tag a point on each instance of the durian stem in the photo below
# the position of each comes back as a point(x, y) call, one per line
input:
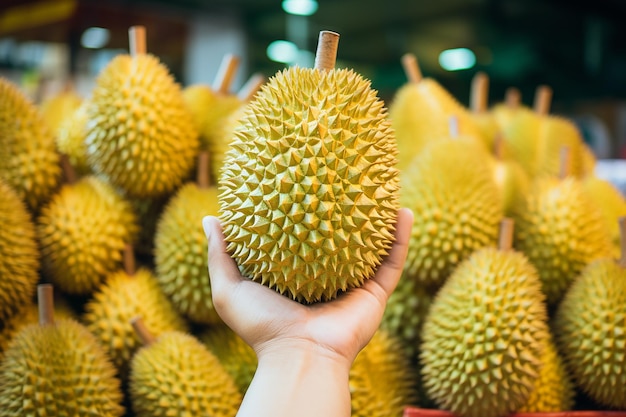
point(226, 74)
point(453, 126)
point(137, 40)
point(142, 331)
point(250, 88)
point(326, 54)
point(543, 99)
point(565, 160)
point(505, 241)
point(512, 98)
point(622, 234)
point(45, 302)
point(68, 169)
point(498, 146)
point(203, 170)
point(479, 93)
point(411, 68)
point(129, 260)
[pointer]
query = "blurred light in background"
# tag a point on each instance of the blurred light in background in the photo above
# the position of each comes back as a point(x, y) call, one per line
point(300, 7)
point(457, 59)
point(282, 51)
point(95, 38)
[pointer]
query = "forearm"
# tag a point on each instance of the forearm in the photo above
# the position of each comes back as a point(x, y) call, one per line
point(301, 383)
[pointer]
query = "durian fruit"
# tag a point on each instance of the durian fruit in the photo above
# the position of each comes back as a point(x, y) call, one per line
point(420, 111)
point(124, 295)
point(82, 232)
point(483, 119)
point(149, 210)
point(560, 230)
point(590, 328)
point(611, 203)
point(504, 112)
point(406, 311)
point(381, 380)
point(180, 248)
point(553, 391)
point(29, 162)
point(521, 136)
point(19, 253)
point(309, 190)
point(452, 190)
point(485, 334)
point(175, 375)
point(57, 368)
point(57, 108)
point(29, 314)
point(556, 133)
point(510, 178)
point(235, 355)
point(140, 134)
point(70, 139)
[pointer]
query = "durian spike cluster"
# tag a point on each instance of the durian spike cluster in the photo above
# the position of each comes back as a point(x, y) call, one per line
point(309, 188)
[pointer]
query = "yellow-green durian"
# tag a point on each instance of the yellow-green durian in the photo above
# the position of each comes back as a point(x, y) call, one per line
point(406, 311)
point(235, 355)
point(457, 206)
point(420, 112)
point(19, 253)
point(58, 370)
point(521, 136)
point(57, 108)
point(610, 200)
point(309, 189)
point(381, 380)
point(555, 133)
point(561, 231)
point(180, 252)
point(513, 183)
point(149, 211)
point(140, 133)
point(485, 335)
point(82, 232)
point(29, 161)
point(553, 391)
point(29, 314)
point(590, 328)
point(71, 139)
point(177, 376)
point(121, 298)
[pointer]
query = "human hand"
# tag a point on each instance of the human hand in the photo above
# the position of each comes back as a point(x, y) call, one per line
point(273, 323)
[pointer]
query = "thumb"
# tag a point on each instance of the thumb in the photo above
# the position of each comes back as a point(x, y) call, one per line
point(223, 270)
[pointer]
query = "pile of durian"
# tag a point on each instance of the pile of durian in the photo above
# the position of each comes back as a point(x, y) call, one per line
point(513, 295)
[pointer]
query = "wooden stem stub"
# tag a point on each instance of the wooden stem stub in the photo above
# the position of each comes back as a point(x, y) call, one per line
point(326, 54)
point(411, 68)
point(479, 92)
point(203, 170)
point(68, 169)
point(129, 260)
point(565, 158)
point(142, 331)
point(512, 98)
point(226, 74)
point(505, 239)
point(543, 100)
point(250, 88)
point(45, 303)
point(137, 40)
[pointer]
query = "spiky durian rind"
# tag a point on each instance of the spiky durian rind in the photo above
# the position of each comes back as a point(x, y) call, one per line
point(309, 188)
point(484, 336)
point(82, 232)
point(71, 139)
point(553, 391)
point(560, 230)
point(590, 328)
point(19, 253)
point(28, 158)
point(458, 207)
point(180, 252)
point(177, 375)
point(58, 107)
point(121, 298)
point(555, 133)
point(383, 362)
point(140, 134)
point(57, 370)
point(237, 357)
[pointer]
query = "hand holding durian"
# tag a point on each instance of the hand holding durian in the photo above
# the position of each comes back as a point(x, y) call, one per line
point(307, 350)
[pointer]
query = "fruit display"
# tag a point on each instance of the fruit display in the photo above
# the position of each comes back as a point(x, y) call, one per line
point(103, 197)
point(309, 188)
